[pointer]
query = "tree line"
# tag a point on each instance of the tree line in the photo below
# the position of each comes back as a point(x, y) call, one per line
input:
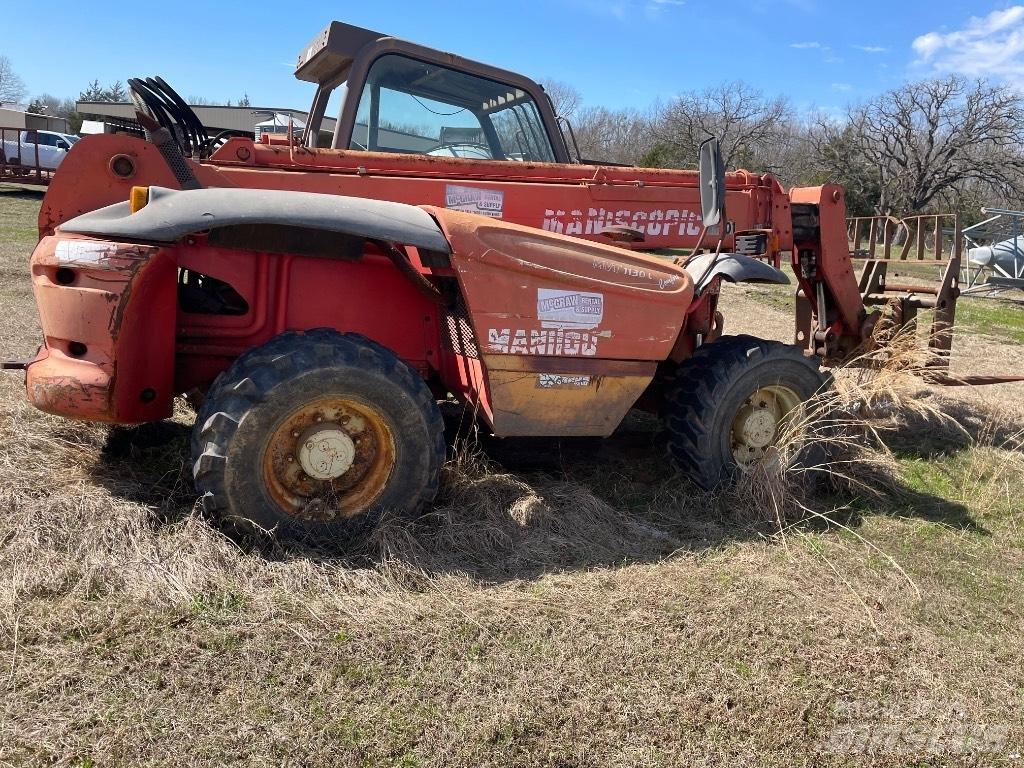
point(946, 144)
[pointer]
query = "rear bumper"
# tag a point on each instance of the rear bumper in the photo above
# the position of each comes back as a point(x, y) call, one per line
point(64, 386)
point(108, 316)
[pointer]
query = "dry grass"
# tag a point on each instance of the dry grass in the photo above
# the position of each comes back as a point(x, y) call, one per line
point(565, 604)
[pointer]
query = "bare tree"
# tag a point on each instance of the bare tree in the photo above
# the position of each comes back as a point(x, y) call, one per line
point(12, 87)
point(930, 141)
point(832, 156)
point(613, 135)
point(53, 105)
point(785, 151)
point(565, 98)
point(744, 120)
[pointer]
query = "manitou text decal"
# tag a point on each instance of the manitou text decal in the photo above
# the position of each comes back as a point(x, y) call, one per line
point(657, 223)
point(486, 202)
point(569, 309)
point(561, 381)
point(550, 341)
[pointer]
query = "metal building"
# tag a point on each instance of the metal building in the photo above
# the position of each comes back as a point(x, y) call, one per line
point(120, 116)
point(15, 116)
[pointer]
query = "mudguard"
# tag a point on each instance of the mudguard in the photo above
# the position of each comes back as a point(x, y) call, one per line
point(733, 267)
point(173, 214)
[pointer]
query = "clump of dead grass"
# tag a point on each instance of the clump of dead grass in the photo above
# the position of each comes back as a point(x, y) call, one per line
point(494, 524)
point(839, 443)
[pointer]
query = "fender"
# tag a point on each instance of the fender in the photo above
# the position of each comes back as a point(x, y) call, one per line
point(734, 267)
point(172, 214)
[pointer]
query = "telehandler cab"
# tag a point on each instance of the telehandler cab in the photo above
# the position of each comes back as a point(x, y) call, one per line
point(324, 300)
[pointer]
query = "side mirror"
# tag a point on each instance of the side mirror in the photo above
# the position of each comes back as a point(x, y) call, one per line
point(712, 182)
point(63, 145)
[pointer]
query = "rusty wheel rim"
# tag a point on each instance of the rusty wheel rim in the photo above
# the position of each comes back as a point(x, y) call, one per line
point(758, 423)
point(329, 460)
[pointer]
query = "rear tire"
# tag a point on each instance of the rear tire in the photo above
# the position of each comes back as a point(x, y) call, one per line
point(732, 398)
point(315, 436)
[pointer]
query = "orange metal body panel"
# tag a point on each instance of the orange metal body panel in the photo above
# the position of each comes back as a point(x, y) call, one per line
point(107, 311)
point(118, 346)
point(538, 293)
point(296, 292)
point(558, 397)
point(570, 332)
point(578, 200)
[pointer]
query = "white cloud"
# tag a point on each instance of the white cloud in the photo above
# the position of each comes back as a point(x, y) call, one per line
point(842, 87)
point(826, 51)
point(624, 9)
point(616, 8)
point(991, 45)
point(653, 8)
point(870, 48)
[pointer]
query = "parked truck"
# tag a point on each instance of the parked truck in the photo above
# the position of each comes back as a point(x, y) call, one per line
point(34, 148)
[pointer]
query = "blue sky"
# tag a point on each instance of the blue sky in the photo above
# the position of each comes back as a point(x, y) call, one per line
point(619, 53)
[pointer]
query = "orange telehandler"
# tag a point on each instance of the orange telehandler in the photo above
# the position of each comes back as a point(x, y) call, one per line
point(447, 242)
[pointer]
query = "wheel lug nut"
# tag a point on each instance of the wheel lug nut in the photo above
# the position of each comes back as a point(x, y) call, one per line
point(319, 419)
point(295, 434)
point(291, 459)
point(309, 444)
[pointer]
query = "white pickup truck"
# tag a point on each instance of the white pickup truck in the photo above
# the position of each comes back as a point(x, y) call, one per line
point(53, 147)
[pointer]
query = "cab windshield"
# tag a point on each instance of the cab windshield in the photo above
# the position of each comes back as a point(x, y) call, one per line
point(411, 106)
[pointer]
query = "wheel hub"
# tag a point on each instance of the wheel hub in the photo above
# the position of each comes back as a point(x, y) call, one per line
point(329, 459)
point(326, 452)
point(757, 424)
point(758, 427)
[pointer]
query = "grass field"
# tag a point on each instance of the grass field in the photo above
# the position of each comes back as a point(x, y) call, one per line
point(564, 604)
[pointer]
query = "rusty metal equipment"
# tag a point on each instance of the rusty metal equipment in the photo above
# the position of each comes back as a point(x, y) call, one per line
point(926, 240)
point(322, 300)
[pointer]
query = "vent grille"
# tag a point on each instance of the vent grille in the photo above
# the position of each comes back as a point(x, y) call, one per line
point(461, 339)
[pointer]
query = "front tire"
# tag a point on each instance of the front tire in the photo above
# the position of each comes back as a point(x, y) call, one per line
point(731, 402)
point(315, 435)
